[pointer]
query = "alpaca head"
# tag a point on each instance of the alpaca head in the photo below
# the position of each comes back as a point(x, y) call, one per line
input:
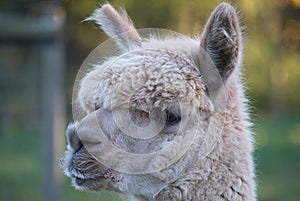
point(152, 109)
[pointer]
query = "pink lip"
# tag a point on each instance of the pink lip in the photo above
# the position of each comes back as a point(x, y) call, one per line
point(106, 176)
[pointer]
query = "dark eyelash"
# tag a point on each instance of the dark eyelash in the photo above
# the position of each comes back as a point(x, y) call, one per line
point(172, 118)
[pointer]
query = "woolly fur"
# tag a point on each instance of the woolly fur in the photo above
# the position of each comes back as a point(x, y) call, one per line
point(157, 72)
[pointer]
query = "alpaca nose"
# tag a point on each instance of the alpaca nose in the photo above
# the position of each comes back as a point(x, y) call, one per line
point(73, 138)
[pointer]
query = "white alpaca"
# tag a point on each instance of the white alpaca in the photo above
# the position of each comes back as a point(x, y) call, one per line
point(175, 77)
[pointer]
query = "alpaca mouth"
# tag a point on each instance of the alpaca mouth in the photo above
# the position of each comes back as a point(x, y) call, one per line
point(81, 178)
point(85, 180)
point(106, 181)
point(79, 181)
point(85, 184)
point(106, 175)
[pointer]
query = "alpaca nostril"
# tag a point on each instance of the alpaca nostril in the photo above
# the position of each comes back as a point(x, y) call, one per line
point(73, 138)
point(80, 145)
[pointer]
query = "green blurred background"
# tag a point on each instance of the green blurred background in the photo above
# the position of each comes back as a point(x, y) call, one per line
point(271, 68)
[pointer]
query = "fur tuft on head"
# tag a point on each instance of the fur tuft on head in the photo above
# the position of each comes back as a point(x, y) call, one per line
point(117, 25)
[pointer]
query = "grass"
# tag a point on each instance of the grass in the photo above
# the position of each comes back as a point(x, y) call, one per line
point(277, 158)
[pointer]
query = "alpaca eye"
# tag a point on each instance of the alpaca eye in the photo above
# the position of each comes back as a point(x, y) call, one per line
point(172, 118)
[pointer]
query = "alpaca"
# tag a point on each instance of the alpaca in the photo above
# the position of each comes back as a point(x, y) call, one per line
point(167, 118)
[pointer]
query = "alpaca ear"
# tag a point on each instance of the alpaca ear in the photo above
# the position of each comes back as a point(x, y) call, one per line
point(221, 40)
point(117, 25)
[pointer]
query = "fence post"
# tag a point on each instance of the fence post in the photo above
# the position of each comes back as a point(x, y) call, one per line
point(52, 56)
point(43, 27)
